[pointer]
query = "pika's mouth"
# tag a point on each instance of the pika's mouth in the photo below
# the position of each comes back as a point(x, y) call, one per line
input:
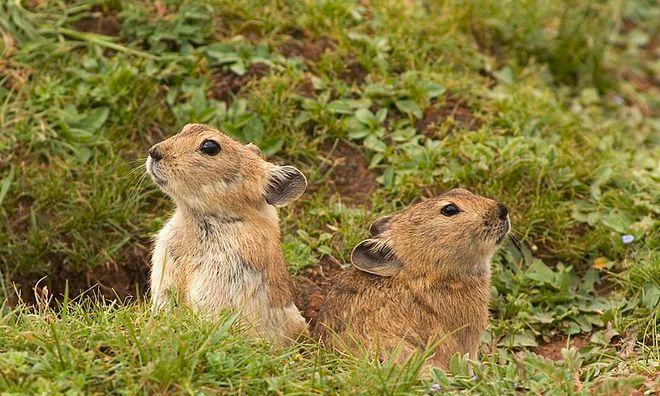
point(153, 171)
point(503, 230)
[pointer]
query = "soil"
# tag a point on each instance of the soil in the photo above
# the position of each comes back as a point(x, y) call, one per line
point(310, 49)
point(306, 88)
point(453, 107)
point(99, 23)
point(227, 84)
point(111, 281)
point(350, 176)
point(20, 219)
point(312, 285)
point(354, 73)
point(552, 350)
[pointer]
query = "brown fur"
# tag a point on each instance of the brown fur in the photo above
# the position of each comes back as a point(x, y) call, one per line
point(431, 281)
point(221, 249)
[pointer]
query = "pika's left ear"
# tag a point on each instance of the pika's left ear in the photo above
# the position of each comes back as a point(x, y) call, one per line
point(285, 184)
point(375, 257)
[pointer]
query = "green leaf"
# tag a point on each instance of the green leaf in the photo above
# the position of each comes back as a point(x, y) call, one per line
point(409, 107)
point(365, 116)
point(433, 90)
point(238, 68)
point(253, 131)
point(373, 143)
point(540, 272)
point(602, 178)
point(348, 106)
point(651, 296)
point(524, 340)
point(617, 220)
point(95, 119)
point(271, 146)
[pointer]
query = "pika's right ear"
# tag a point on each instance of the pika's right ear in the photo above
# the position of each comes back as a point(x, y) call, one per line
point(285, 184)
point(375, 257)
point(380, 225)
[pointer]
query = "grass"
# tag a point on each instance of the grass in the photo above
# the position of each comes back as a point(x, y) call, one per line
point(551, 107)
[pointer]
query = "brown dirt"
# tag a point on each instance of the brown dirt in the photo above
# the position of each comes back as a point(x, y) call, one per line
point(99, 23)
point(453, 107)
point(14, 75)
point(226, 84)
point(306, 88)
point(310, 49)
point(20, 218)
point(111, 281)
point(354, 72)
point(552, 350)
point(312, 284)
point(350, 176)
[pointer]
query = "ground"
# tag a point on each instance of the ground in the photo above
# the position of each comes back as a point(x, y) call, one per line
point(550, 107)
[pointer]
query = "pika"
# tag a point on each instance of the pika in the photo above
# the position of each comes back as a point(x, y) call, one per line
point(422, 279)
point(221, 248)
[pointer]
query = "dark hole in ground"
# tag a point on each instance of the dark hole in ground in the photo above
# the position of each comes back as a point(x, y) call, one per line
point(226, 84)
point(99, 23)
point(312, 285)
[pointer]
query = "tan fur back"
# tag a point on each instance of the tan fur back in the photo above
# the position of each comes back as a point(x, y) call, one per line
point(436, 285)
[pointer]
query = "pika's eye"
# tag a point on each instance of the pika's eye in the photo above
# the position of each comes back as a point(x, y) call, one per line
point(210, 147)
point(450, 210)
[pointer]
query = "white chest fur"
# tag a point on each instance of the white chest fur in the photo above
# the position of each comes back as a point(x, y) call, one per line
point(202, 260)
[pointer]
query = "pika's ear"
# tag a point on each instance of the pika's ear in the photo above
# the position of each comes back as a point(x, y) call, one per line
point(253, 147)
point(285, 184)
point(380, 225)
point(375, 257)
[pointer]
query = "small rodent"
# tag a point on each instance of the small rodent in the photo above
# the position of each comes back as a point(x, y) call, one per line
point(422, 278)
point(221, 248)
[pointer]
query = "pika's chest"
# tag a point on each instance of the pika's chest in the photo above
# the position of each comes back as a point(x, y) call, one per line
point(215, 274)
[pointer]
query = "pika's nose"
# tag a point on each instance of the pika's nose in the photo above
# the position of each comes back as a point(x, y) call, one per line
point(503, 211)
point(155, 153)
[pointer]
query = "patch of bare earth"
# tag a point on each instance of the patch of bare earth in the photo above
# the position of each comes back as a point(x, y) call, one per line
point(121, 279)
point(552, 350)
point(99, 23)
point(354, 72)
point(226, 84)
point(453, 108)
point(311, 50)
point(306, 88)
point(313, 284)
point(350, 176)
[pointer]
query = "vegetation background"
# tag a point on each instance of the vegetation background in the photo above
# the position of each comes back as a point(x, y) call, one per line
point(549, 106)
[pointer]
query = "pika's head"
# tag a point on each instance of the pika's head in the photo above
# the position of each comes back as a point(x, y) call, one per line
point(454, 233)
point(206, 170)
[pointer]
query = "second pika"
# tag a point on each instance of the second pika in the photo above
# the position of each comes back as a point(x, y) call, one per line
point(221, 248)
point(422, 278)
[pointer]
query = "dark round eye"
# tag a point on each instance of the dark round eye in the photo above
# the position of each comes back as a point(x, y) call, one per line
point(210, 147)
point(450, 210)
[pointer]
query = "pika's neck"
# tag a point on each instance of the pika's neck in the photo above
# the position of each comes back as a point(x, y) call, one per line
point(265, 216)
